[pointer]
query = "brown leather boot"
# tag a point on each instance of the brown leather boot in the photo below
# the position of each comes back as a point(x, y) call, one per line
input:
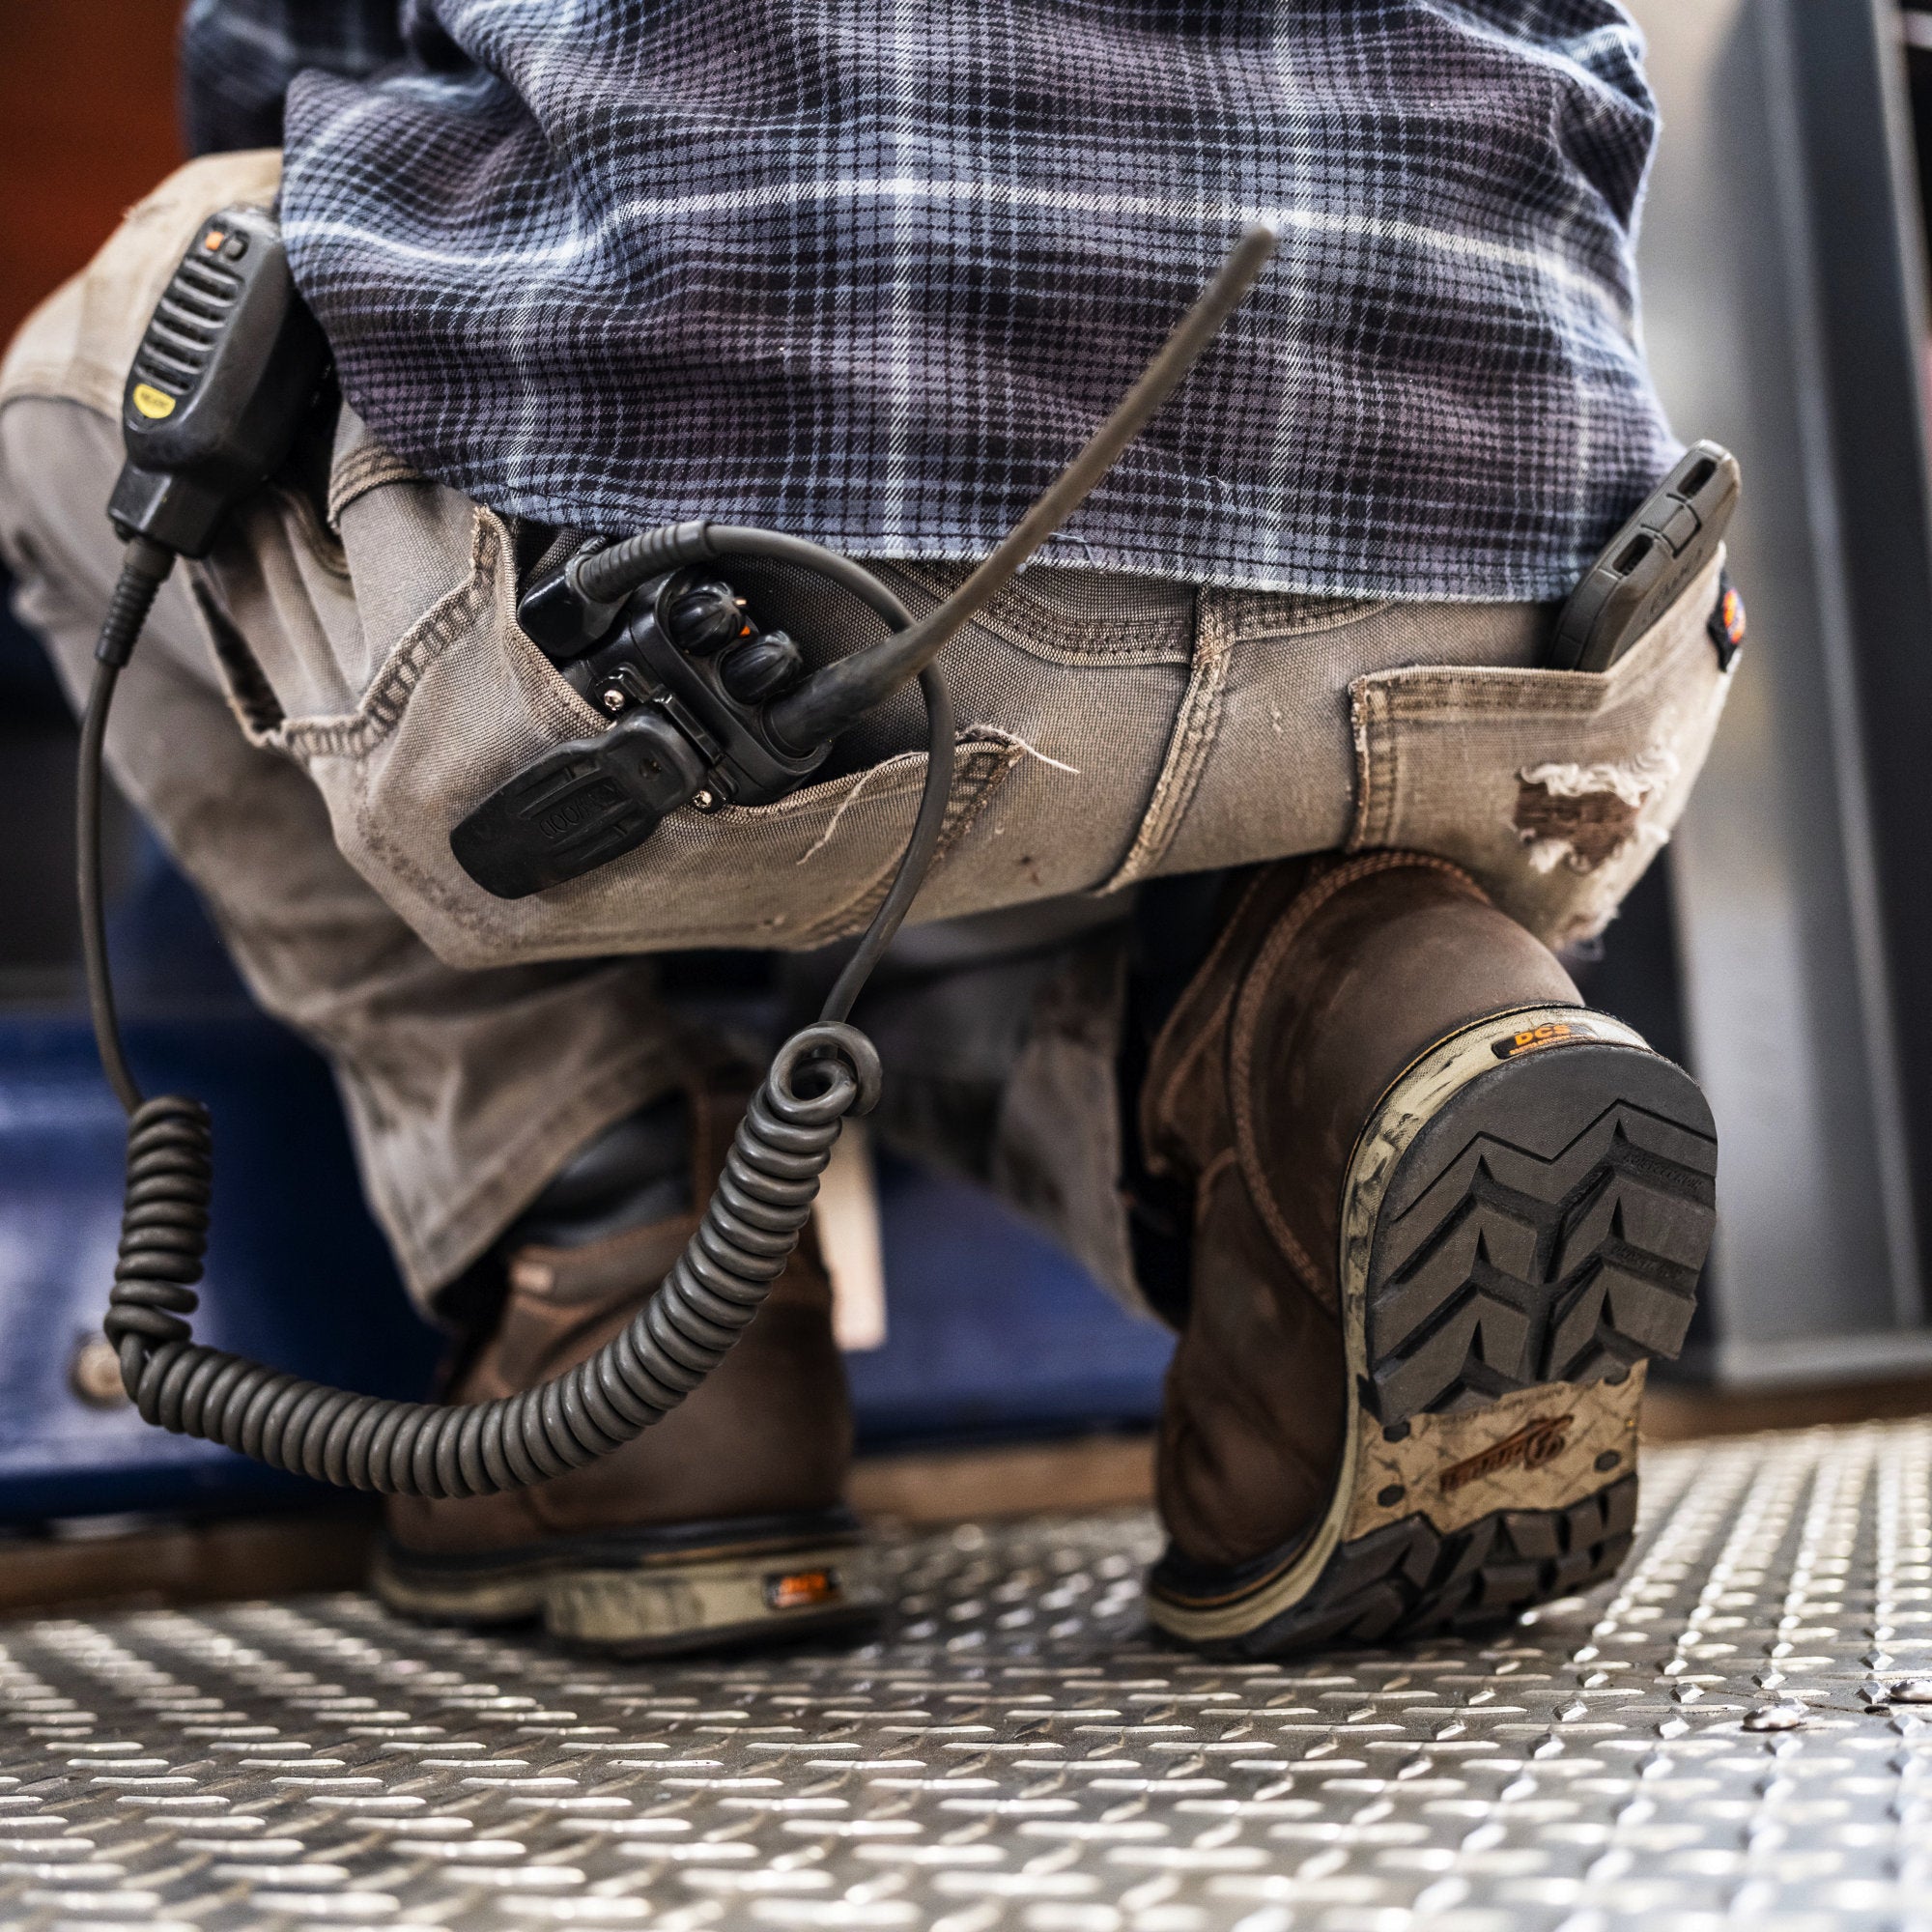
point(723, 1524)
point(1443, 1214)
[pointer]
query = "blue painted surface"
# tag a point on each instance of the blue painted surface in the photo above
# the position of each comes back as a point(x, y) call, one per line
point(991, 1331)
point(297, 1273)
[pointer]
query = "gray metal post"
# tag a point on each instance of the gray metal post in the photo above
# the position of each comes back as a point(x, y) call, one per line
point(1785, 288)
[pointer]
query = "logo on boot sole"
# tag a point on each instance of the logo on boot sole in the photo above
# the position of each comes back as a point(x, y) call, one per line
point(803, 1589)
point(1540, 1441)
point(1551, 1032)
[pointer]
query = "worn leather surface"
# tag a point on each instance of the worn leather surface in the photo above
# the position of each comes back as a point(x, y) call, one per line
point(768, 1432)
point(1329, 978)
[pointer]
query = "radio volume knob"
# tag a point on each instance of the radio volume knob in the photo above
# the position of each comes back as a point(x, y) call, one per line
point(760, 667)
point(705, 616)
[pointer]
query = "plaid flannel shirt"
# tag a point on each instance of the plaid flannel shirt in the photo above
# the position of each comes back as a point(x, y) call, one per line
point(869, 271)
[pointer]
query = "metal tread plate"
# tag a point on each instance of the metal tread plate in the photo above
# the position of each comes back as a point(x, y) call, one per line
point(1717, 1736)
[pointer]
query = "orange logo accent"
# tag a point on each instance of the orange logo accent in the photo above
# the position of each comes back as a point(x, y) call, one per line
point(1731, 614)
point(1551, 1032)
point(1542, 1441)
point(802, 1589)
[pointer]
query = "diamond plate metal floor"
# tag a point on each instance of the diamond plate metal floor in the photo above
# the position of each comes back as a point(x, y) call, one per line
point(1717, 1737)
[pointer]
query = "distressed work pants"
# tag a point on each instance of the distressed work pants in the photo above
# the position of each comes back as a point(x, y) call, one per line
point(315, 707)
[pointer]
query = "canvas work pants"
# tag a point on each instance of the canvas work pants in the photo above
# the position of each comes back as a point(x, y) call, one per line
point(315, 707)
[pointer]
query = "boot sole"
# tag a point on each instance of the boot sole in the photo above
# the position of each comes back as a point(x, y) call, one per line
point(647, 1596)
point(1523, 1223)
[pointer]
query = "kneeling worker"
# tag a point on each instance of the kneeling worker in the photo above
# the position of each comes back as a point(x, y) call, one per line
point(1276, 744)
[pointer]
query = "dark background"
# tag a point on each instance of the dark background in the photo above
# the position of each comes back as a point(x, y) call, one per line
point(87, 126)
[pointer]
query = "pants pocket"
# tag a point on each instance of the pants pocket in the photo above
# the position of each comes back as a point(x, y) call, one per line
point(1555, 789)
point(445, 702)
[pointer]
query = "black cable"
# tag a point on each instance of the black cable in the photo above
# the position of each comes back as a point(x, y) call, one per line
point(724, 540)
point(742, 1245)
point(927, 827)
point(608, 576)
point(144, 569)
point(92, 910)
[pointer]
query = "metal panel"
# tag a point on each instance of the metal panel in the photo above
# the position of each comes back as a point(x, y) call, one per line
point(1715, 1739)
point(1783, 289)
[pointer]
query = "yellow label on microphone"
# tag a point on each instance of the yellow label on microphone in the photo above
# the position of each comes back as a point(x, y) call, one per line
point(153, 401)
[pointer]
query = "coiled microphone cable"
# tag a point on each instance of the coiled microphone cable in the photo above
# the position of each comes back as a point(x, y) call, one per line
point(764, 1197)
point(747, 1234)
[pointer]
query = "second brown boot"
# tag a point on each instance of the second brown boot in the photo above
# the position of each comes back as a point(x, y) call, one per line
point(723, 1524)
point(1444, 1215)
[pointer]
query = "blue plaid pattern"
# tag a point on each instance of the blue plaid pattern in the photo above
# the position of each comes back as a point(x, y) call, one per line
point(236, 61)
point(870, 269)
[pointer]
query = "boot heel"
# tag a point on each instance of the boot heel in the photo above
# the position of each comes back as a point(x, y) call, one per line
point(1523, 1221)
point(654, 1592)
point(716, 1602)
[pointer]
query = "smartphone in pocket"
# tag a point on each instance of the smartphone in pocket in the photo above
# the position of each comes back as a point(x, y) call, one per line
point(1650, 562)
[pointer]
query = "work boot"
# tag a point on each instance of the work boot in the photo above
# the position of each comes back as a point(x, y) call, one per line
point(723, 1523)
point(1443, 1214)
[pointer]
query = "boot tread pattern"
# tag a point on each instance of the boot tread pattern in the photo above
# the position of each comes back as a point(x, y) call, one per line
point(1411, 1579)
point(1548, 1226)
